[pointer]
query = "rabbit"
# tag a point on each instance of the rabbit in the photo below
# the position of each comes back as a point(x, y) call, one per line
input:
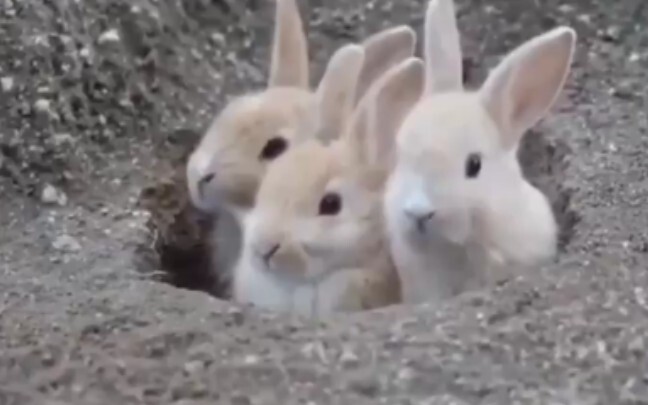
point(314, 241)
point(459, 212)
point(224, 171)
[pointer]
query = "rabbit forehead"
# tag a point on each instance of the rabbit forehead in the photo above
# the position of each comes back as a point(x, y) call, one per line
point(249, 121)
point(442, 130)
point(297, 180)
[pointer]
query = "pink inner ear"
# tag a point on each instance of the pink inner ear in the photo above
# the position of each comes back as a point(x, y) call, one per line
point(520, 91)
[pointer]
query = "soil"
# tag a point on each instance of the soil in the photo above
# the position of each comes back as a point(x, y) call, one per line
point(104, 297)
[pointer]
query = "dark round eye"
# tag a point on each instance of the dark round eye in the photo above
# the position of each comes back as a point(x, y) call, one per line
point(473, 165)
point(273, 148)
point(330, 204)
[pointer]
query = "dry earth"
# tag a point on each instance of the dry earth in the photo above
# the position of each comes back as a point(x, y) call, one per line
point(100, 102)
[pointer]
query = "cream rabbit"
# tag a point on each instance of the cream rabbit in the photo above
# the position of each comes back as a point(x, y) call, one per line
point(460, 213)
point(226, 168)
point(314, 242)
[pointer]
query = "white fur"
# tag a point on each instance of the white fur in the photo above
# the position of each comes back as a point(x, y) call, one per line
point(486, 227)
point(255, 284)
point(264, 289)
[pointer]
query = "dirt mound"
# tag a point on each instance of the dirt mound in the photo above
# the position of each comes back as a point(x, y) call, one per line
point(101, 102)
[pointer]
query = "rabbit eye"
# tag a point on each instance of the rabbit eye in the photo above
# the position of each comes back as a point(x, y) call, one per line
point(473, 165)
point(330, 204)
point(273, 148)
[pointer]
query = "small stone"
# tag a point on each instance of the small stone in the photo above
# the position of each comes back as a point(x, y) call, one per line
point(566, 8)
point(348, 358)
point(52, 195)
point(111, 35)
point(611, 34)
point(62, 138)
point(7, 84)
point(85, 53)
point(405, 377)
point(42, 105)
point(193, 367)
point(66, 243)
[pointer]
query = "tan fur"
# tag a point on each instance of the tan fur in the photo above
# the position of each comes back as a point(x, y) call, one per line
point(231, 146)
point(292, 190)
point(242, 130)
point(225, 170)
point(346, 252)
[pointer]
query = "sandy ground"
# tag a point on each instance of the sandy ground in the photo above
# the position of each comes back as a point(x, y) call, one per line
point(102, 99)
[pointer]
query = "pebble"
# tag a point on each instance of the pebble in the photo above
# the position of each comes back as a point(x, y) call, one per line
point(52, 195)
point(42, 105)
point(7, 83)
point(348, 358)
point(112, 35)
point(66, 243)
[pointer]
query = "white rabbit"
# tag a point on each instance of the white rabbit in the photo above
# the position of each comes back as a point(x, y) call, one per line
point(460, 213)
point(315, 242)
point(226, 168)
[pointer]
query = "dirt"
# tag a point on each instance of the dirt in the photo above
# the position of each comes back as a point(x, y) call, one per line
point(104, 294)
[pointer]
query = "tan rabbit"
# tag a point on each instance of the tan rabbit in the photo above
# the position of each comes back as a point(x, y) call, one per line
point(314, 242)
point(460, 213)
point(226, 168)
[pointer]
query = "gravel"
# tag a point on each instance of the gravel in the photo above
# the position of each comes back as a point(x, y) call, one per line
point(101, 100)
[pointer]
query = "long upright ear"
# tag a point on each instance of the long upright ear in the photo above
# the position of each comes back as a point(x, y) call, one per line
point(384, 50)
point(522, 88)
point(442, 52)
point(336, 91)
point(289, 63)
point(381, 112)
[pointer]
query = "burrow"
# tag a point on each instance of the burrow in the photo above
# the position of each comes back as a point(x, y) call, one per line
point(179, 249)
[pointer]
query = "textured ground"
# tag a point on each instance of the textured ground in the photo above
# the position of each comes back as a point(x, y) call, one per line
point(100, 99)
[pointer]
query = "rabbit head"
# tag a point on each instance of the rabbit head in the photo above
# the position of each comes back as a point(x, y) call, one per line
point(319, 208)
point(457, 147)
point(227, 167)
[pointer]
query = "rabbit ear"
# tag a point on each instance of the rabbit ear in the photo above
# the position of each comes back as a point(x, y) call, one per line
point(335, 92)
point(289, 64)
point(522, 88)
point(378, 117)
point(442, 52)
point(384, 50)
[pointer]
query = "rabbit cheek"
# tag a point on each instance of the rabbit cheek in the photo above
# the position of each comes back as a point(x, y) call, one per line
point(236, 187)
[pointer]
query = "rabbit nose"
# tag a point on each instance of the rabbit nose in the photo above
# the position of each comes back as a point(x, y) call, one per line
point(267, 255)
point(204, 181)
point(420, 218)
point(419, 210)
